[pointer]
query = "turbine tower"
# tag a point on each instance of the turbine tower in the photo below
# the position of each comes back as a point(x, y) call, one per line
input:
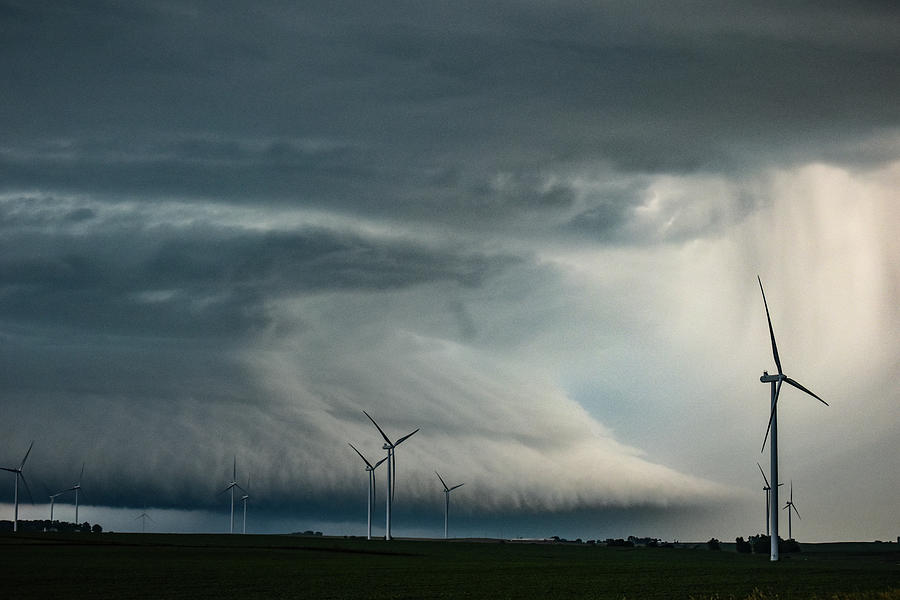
point(17, 471)
point(370, 469)
point(75, 488)
point(447, 501)
point(775, 382)
point(231, 485)
point(789, 506)
point(392, 470)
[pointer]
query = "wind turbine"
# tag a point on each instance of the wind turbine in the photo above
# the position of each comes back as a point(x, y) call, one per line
point(392, 469)
point(52, 500)
point(766, 489)
point(18, 474)
point(244, 499)
point(370, 469)
point(144, 517)
point(788, 506)
point(231, 485)
point(775, 382)
point(75, 488)
point(447, 501)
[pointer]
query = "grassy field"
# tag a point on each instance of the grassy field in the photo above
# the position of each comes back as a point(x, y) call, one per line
point(221, 566)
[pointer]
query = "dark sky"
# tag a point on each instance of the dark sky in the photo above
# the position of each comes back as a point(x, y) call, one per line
point(532, 229)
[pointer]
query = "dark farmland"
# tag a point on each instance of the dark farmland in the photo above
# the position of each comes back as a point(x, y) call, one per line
point(222, 566)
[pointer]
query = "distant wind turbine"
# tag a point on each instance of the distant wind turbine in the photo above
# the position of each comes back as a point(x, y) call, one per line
point(775, 382)
point(370, 469)
point(53, 498)
point(447, 501)
point(231, 485)
point(76, 487)
point(766, 489)
point(19, 474)
point(144, 517)
point(392, 470)
point(244, 499)
point(789, 506)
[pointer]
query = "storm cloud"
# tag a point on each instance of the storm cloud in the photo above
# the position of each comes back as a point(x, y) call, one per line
point(531, 230)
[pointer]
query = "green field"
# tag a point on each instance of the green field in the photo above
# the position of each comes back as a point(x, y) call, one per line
point(222, 566)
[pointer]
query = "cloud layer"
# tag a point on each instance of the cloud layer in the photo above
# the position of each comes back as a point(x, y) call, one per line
point(532, 231)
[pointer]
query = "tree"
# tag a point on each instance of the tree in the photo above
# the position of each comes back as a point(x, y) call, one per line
point(713, 544)
point(742, 546)
point(761, 544)
point(96, 528)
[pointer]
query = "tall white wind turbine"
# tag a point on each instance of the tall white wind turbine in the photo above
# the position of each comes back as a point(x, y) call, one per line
point(392, 470)
point(231, 485)
point(447, 501)
point(370, 469)
point(789, 506)
point(17, 471)
point(775, 382)
point(75, 488)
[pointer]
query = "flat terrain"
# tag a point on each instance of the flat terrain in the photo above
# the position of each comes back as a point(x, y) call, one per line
point(125, 566)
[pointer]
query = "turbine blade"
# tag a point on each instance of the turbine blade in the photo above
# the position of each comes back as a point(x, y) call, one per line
point(227, 487)
point(801, 388)
point(80, 477)
point(771, 331)
point(442, 480)
point(456, 486)
point(394, 478)
point(407, 436)
point(234, 469)
point(379, 462)
point(763, 474)
point(771, 415)
point(380, 430)
point(361, 456)
point(22, 466)
point(797, 512)
point(25, 483)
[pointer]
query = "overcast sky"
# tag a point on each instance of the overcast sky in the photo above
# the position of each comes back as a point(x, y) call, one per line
point(531, 229)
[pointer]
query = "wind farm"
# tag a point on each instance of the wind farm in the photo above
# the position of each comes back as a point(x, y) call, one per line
point(390, 446)
point(697, 552)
